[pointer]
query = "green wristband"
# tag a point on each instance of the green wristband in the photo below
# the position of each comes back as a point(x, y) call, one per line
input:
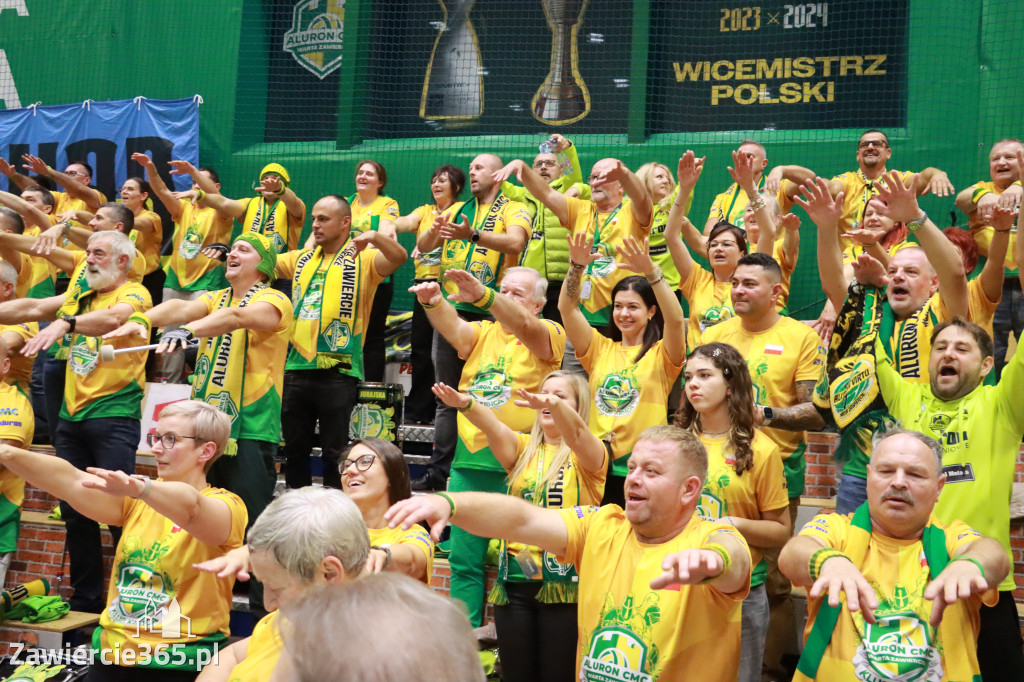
point(451, 502)
point(973, 561)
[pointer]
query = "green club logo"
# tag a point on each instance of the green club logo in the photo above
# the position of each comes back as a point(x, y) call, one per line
point(617, 396)
point(483, 272)
point(852, 389)
point(337, 335)
point(370, 420)
point(898, 647)
point(714, 315)
point(83, 358)
point(310, 308)
point(141, 593)
point(616, 654)
point(315, 39)
point(602, 267)
point(490, 388)
point(223, 402)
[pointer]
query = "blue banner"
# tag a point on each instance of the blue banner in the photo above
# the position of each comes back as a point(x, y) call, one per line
point(105, 135)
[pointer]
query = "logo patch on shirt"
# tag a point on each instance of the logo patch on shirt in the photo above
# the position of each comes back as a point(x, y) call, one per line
point(958, 473)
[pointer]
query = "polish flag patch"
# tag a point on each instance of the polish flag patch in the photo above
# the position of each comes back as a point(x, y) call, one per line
point(772, 349)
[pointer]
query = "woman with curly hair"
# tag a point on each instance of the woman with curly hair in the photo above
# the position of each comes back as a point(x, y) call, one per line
point(745, 485)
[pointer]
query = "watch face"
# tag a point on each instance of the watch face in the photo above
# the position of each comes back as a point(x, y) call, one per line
point(769, 413)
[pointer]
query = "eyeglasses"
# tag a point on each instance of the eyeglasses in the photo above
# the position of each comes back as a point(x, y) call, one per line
point(166, 439)
point(723, 244)
point(361, 463)
point(539, 163)
point(864, 144)
point(74, 174)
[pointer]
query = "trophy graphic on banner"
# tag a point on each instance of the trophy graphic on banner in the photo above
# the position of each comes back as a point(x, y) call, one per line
point(453, 89)
point(563, 97)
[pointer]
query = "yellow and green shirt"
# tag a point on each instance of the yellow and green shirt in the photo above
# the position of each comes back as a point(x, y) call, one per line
point(628, 396)
point(149, 243)
point(627, 631)
point(17, 424)
point(428, 265)
point(980, 435)
point(188, 269)
point(64, 202)
point(498, 365)
point(116, 388)
point(37, 275)
point(157, 596)
point(608, 231)
point(265, 354)
point(761, 489)
point(362, 216)
point(731, 204)
point(788, 352)
point(901, 644)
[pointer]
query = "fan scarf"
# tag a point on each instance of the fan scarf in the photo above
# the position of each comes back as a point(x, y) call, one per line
point(337, 345)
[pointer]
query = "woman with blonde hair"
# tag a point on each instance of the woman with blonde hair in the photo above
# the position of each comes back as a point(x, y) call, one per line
point(663, 190)
point(559, 464)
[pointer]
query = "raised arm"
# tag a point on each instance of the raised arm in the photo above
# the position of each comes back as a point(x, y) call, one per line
point(535, 185)
point(156, 183)
point(390, 254)
point(73, 187)
point(63, 481)
point(95, 323)
point(678, 224)
point(31, 214)
point(444, 318)
point(899, 202)
point(932, 181)
point(487, 515)
point(992, 275)
point(511, 242)
point(742, 172)
point(528, 328)
point(836, 575)
point(825, 211)
point(174, 311)
point(501, 439)
point(976, 568)
point(20, 181)
point(577, 329)
point(30, 309)
point(797, 176)
point(260, 316)
point(637, 258)
point(640, 200)
point(589, 449)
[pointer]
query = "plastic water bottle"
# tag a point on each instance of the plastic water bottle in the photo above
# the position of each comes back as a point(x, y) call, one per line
point(564, 162)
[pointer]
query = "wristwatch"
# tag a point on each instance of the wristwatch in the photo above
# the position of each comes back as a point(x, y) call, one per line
point(70, 319)
point(769, 415)
point(475, 237)
point(917, 222)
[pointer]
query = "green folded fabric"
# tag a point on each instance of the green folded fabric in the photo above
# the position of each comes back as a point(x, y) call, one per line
point(41, 609)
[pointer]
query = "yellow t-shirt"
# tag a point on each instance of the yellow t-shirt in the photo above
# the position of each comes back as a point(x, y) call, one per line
point(487, 265)
point(497, 366)
point(710, 302)
point(17, 424)
point(901, 644)
point(787, 352)
point(857, 192)
point(265, 354)
point(575, 487)
point(415, 536)
point(188, 269)
point(981, 310)
point(779, 254)
point(37, 276)
point(272, 221)
point(428, 265)
point(602, 275)
point(149, 243)
point(306, 304)
point(628, 396)
point(265, 646)
point(20, 375)
point(731, 204)
point(382, 206)
point(64, 202)
point(156, 595)
point(115, 389)
point(760, 489)
point(982, 232)
point(627, 631)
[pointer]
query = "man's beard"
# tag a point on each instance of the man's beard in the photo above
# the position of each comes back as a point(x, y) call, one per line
point(100, 278)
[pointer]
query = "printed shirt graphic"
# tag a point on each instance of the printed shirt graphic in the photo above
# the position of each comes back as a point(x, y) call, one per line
point(382, 206)
point(628, 396)
point(575, 487)
point(980, 435)
point(982, 232)
point(761, 489)
point(774, 373)
point(188, 269)
point(115, 390)
point(607, 271)
point(306, 304)
point(17, 424)
point(710, 302)
point(498, 365)
point(428, 265)
point(415, 536)
point(629, 632)
point(149, 243)
point(154, 566)
point(264, 649)
point(264, 367)
point(21, 365)
point(901, 645)
point(485, 264)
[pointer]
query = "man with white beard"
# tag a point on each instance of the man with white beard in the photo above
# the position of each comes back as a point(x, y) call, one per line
point(101, 410)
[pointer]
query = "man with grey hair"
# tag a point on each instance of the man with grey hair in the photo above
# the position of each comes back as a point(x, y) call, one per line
point(646, 572)
point(913, 585)
point(401, 629)
point(514, 352)
point(98, 424)
point(306, 537)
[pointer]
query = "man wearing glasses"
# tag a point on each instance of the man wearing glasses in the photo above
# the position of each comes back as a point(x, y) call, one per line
point(859, 186)
point(76, 180)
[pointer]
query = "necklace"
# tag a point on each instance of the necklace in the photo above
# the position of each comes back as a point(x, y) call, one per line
point(717, 434)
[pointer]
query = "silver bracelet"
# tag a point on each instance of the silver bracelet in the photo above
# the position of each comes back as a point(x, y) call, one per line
point(757, 203)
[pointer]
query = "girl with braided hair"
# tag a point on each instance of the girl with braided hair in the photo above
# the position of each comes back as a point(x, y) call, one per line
point(745, 485)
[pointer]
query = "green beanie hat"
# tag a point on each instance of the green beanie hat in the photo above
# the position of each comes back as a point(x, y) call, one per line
point(264, 247)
